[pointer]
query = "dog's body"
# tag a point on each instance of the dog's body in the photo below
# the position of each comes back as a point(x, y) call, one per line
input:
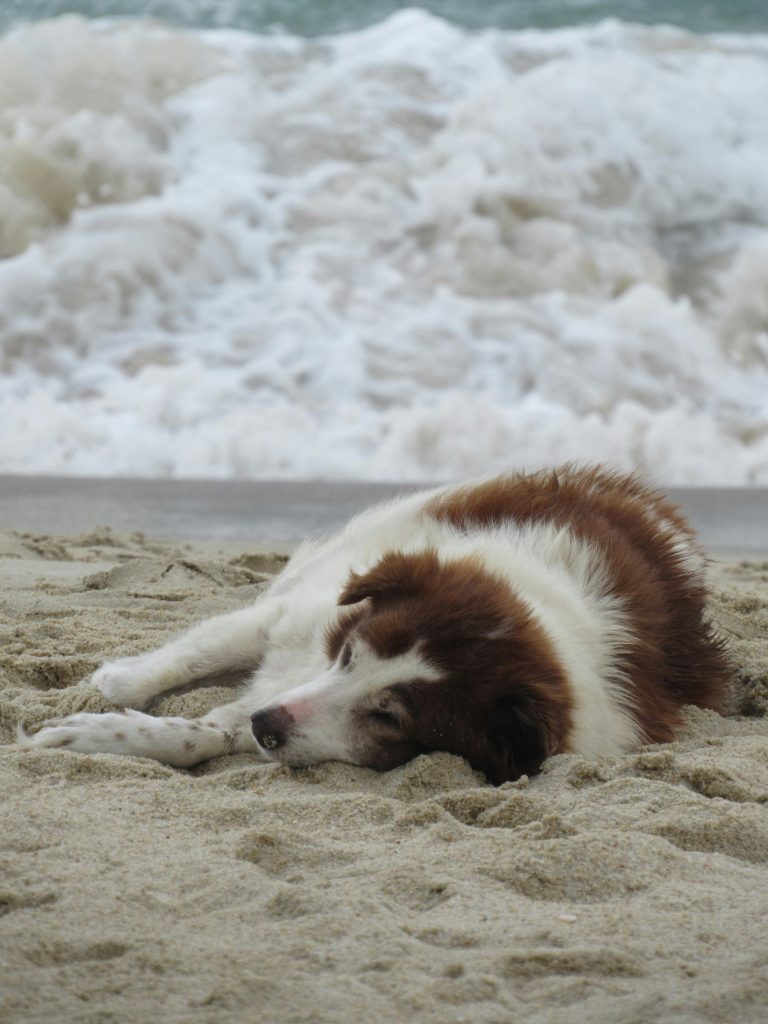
point(504, 621)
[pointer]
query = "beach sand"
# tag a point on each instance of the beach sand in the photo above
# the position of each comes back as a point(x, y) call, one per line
point(626, 890)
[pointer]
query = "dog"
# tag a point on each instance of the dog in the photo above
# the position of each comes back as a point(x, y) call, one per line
point(505, 621)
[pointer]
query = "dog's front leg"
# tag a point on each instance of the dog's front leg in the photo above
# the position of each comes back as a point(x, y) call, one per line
point(226, 643)
point(179, 742)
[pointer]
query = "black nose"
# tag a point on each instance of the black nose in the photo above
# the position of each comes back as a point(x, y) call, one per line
point(271, 726)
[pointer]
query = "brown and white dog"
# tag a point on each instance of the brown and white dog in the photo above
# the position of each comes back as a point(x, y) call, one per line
point(505, 621)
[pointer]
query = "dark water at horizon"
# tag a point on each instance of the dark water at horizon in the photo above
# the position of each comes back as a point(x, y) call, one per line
point(310, 18)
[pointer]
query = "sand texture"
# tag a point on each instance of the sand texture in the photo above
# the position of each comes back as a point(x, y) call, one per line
point(626, 890)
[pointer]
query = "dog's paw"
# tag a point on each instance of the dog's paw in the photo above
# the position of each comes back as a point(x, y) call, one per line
point(84, 733)
point(128, 682)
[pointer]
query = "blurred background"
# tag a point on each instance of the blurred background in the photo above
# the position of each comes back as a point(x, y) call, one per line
point(349, 240)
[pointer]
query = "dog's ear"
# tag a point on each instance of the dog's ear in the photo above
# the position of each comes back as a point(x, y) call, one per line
point(519, 741)
point(395, 577)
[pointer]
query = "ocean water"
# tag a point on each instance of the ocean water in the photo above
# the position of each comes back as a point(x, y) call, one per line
point(323, 17)
point(345, 240)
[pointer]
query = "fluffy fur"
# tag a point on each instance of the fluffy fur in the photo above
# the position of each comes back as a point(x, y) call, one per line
point(504, 621)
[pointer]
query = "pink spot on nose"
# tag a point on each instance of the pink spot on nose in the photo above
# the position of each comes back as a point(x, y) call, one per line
point(299, 710)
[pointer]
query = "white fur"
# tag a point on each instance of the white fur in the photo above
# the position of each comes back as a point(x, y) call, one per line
point(282, 637)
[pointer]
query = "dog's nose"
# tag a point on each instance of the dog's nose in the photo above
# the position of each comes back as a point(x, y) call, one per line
point(270, 727)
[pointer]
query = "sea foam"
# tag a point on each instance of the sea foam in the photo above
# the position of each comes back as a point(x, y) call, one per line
point(412, 252)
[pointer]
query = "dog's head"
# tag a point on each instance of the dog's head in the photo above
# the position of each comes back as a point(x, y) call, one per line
point(426, 655)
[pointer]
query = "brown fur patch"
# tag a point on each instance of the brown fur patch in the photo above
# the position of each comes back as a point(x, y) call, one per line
point(675, 658)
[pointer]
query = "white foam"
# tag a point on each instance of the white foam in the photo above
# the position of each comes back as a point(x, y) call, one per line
point(411, 252)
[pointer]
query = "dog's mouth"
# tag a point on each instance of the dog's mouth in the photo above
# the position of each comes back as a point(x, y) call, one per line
point(282, 755)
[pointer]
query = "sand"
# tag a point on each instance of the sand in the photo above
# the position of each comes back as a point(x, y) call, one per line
point(624, 890)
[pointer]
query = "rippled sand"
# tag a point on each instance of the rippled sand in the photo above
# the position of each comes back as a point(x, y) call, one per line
point(622, 890)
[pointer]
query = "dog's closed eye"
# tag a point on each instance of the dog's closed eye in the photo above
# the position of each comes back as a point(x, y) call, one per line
point(383, 716)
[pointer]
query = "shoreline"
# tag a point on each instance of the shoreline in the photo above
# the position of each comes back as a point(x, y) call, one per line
point(732, 522)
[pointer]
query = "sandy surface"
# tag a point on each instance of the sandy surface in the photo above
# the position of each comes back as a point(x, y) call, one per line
point(627, 890)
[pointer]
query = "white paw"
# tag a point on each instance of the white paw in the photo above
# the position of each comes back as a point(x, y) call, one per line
point(84, 733)
point(129, 682)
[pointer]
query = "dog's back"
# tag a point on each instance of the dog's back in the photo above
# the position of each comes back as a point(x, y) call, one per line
point(651, 563)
